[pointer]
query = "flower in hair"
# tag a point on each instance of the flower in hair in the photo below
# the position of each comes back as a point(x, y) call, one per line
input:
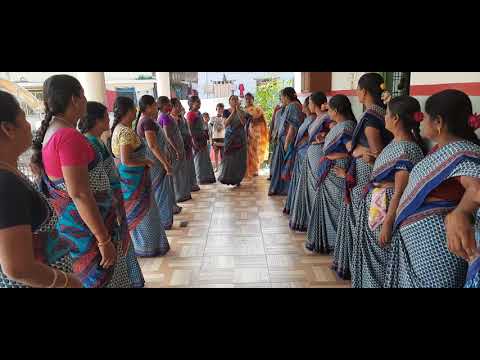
point(382, 86)
point(418, 116)
point(474, 121)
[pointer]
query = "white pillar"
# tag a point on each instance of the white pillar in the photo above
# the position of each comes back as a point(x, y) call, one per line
point(297, 82)
point(163, 84)
point(93, 85)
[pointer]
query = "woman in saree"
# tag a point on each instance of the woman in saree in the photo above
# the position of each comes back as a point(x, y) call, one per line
point(93, 125)
point(442, 181)
point(378, 208)
point(301, 146)
point(203, 164)
point(284, 155)
point(178, 113)
point(134, 166)
point(276, 120)
point(175, 150)
point(307, 182)
point(234, 162)
point(31, 252)
point(77, 186)
point(156, 150)
point(368, 141)
point(257, 137)
point(322, 228)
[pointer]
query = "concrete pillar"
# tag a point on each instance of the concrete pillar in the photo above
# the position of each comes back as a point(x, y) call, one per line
point(93, 85)
point(298, 82)
point(163, 84)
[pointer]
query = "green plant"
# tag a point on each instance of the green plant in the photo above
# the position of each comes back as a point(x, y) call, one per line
point(267, 96)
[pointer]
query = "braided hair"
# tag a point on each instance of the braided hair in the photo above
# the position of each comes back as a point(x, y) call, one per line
point(121, 108)
point(405, 108)
point(57, 92)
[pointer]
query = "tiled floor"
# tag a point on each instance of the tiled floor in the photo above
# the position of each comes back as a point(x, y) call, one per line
point(237, 237)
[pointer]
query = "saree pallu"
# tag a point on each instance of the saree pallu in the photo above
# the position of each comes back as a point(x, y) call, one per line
point(301, 147)
point(322, 227)
point(126, 256)
point(84, 251)
point(369, 259)
point(347, 219)
point(307, 182)
point(473, 275)
point(420, 256)
point(181, 185)
point(234, 162)
point(144, 223)
point(203, 165)
point(162, 185)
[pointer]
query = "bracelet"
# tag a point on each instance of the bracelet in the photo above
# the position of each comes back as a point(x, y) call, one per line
point(66, 279)
point(55, 278)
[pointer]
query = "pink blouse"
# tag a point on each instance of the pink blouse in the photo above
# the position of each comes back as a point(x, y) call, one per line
point(67, 147)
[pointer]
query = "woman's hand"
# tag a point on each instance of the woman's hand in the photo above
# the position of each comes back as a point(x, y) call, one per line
point(386, 233)
point(460, 234)
point(74, 282)
point(149, 163)
point(108, 253)
point(340, 172)
point(168, 168)
point(369, 157)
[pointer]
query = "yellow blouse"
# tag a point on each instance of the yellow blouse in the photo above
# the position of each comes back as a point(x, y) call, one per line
point(123, 135)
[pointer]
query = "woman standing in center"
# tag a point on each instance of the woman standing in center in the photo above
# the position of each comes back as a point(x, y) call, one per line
point(161, 171)
point(234, 163)
point(203, 164)
point(368, 141)
point(144, 223)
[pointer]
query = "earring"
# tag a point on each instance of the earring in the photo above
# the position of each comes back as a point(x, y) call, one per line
point(439, 131)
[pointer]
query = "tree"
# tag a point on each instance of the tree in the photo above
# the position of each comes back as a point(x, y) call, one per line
point(267, 95)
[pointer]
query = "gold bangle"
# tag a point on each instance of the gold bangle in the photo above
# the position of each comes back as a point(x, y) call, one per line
point(66, 279)
point(55, 278)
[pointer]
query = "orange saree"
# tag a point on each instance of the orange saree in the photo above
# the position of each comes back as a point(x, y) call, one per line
point(257, 141)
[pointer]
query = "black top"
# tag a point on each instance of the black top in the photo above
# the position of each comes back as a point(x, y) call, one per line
point(20, 203)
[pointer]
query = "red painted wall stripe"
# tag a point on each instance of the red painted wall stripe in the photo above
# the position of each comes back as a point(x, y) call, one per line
point(471, 89)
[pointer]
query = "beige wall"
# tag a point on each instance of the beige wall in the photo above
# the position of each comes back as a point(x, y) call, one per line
point(428, 78)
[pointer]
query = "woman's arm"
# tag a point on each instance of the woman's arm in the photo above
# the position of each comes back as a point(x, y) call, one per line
point(401, 181)
point(172, 144)
point(337, 156)
point(18, 262)
point(126, 157)
point(291, 135)
point(458, 224)
point(152, 142)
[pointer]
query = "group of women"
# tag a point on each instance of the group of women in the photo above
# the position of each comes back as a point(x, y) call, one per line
point(393, 210)
point(98, 202)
